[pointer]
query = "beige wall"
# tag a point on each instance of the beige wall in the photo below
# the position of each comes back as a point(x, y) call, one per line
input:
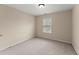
point(75, 32)
point(15, 26)
point(62, 26)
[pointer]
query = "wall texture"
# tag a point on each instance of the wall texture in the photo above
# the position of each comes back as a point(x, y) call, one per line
point(15, 26)
point(61, 26)
point(75, 27)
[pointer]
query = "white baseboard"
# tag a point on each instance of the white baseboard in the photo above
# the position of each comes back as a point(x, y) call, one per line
point(57, 40)
point(18, 42)
point(62, 40)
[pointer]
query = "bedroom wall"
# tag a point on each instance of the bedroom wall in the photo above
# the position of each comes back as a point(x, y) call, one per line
point(15, 26)
point(75, 27)
point(61, 26)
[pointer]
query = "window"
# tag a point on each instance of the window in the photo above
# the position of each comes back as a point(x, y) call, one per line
point(47, 24)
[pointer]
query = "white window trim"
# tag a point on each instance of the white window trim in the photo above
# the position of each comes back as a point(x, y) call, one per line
point(47, 23)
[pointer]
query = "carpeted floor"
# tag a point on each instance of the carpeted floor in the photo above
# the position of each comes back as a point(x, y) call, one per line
point(39, 46)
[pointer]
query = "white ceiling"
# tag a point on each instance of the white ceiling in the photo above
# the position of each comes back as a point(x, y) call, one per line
point(33, 9)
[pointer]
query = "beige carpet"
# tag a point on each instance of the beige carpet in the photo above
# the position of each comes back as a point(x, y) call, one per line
point(38, 46)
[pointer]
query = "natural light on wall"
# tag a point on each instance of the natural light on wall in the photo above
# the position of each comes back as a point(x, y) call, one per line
point(47, 24)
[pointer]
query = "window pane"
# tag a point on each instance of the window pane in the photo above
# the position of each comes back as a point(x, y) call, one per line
point(47, 24)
